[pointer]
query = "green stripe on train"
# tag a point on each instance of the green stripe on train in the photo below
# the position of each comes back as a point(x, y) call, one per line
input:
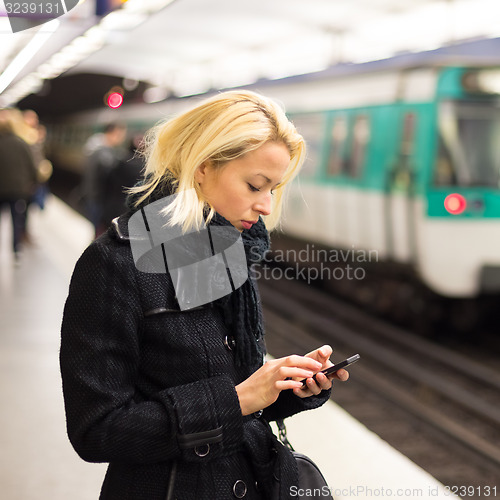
point(481, 203)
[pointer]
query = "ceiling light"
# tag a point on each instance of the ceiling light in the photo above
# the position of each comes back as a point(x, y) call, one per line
point(27, 53)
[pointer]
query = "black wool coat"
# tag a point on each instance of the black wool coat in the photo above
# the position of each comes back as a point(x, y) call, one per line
point(151, 389)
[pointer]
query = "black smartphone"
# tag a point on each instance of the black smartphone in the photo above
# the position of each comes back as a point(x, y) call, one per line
point(338, 366)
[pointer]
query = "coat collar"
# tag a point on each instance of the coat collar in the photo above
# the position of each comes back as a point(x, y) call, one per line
point(119, 228)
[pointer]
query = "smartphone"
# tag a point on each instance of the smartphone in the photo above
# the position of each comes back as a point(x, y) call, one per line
point(338, 366)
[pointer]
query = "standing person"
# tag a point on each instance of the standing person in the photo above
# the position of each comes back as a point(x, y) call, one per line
point(124, 175)
point(177, 398)
point(36, 134)
point(44, 170)
point(18, 175)
point(100, 161)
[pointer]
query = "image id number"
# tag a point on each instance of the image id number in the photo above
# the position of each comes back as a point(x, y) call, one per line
point(469, 491)
point(33, 8)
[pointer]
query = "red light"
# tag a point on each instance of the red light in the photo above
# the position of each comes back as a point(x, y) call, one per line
point(455, 203)
point(115, 100)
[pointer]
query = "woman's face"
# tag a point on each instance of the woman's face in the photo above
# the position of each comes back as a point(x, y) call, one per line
point(241, 190)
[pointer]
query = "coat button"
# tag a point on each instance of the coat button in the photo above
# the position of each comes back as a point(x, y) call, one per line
point(202, 451)
point(258, 414)
point(230, 342)
point(239, 489)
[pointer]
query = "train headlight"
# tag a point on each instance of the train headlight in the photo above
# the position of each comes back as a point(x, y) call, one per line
point(455, 204)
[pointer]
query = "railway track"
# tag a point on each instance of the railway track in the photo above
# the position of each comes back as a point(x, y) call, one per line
point(437, 406)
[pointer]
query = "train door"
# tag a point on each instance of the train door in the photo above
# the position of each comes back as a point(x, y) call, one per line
point(400, 193)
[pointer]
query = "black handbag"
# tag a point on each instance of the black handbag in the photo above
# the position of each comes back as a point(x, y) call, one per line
point(312, 483)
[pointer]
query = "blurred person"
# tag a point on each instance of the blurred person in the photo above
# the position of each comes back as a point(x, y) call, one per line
point(124, 175)
point(26, 127)
point(35, 134)
point(18, 174)
point(31, 120)
point(23, 128)
point(178, 401)
point(44, 170)
point(94, 142)
point(102, 158)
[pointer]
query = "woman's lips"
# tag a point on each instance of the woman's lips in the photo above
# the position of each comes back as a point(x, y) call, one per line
point(247, 224)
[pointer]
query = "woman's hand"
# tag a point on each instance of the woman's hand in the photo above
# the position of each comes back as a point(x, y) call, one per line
point(322, 382)
point(263, 387)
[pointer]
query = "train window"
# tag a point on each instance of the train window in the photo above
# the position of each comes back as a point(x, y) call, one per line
point(310, 126)
point(468, 152)
point(336, 160)
point(360, 139)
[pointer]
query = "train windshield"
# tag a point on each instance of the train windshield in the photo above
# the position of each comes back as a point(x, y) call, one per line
point(469, 144)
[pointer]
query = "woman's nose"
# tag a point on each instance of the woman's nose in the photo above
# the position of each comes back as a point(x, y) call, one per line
point(263, 205)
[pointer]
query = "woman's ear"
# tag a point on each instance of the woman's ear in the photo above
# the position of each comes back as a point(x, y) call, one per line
point(201, 172)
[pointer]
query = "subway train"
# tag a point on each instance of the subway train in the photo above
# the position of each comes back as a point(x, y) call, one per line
point(403, 166)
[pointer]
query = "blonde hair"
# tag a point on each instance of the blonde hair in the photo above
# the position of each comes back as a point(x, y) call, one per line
point(11, 120)
point(220, 129)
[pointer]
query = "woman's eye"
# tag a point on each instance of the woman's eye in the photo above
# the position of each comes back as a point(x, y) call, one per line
point(253, 188)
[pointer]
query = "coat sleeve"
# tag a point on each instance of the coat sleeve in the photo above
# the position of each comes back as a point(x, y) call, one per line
point(100, 357)
point(289, 404)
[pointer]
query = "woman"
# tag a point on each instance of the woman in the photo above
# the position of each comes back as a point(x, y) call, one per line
point(178, 401)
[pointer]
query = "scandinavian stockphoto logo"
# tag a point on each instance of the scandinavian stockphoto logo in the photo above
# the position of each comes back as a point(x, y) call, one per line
point(29, 13)
point(204, 264)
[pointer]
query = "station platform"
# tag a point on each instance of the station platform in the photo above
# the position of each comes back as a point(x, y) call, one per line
point(37, 461)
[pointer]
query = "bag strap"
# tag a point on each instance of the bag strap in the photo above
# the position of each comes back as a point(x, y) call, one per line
point(282, 434)
point(171, 482)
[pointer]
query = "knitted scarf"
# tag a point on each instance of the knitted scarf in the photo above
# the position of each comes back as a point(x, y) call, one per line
point(241, 310)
